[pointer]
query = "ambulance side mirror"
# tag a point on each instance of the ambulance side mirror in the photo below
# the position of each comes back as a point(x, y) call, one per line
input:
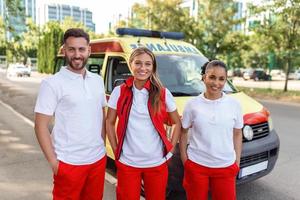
point(94, 68)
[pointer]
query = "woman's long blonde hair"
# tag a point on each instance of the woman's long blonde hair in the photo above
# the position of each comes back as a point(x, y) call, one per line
point(156, 85)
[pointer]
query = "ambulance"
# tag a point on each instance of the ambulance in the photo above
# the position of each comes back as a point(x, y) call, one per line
point(179, 68)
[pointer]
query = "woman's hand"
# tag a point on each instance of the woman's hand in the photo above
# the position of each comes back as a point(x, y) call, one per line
point(110, 128)
point(183, 145)
point(184, 157)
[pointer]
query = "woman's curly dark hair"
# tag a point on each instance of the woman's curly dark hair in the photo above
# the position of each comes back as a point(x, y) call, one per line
point(203, 68)
point(213, 63)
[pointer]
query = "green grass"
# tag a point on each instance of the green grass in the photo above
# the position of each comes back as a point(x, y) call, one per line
point(272, 94)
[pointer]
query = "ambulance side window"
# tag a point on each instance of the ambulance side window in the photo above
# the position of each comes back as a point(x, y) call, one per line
point(116, 71)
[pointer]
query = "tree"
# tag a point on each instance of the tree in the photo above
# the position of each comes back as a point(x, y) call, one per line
point(161, 15)
point(155, 15)
point(282, 31)
point(257, 53)
point(29, 41)
point(13, 12)
point(13, 15)
point(210, 30)
point(68, 22)
point(23, 45)
point(215, 24)
point(235, 45)
point(2, 37)
point(48, 46)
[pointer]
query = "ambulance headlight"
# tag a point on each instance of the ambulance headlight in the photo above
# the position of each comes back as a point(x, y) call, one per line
point(248, 132)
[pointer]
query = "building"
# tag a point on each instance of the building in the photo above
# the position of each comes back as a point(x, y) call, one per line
point(240, 13)
point(29, 9)
point(18, 22)
point(192, 6)
point(251, 20)
point(243, 11)
point(2, 8)
point(58, 12)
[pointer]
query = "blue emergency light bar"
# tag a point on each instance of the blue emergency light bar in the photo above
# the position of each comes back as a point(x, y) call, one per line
point(149, 33)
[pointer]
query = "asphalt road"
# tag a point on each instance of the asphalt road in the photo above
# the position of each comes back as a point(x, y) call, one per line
point(282, 184)
point(24, 172)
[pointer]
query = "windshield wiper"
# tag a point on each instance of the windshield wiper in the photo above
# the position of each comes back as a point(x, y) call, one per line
point(180, 94)
point(229, 92)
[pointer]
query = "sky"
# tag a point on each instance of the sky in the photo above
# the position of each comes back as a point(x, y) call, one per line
point(104, 11)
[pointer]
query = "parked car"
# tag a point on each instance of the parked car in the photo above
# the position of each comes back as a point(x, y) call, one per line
point(277, 74)
point(18, 70)
point(297, 72)
point(256, 74)
point(238, 72)
point(247, 74)
point(294, 75)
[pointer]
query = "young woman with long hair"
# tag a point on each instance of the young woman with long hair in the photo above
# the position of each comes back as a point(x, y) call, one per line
point(141, 146)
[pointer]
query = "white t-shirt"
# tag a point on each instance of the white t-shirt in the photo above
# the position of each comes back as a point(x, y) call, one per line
point(211, 133)
point(76, 103)
point(142, 146)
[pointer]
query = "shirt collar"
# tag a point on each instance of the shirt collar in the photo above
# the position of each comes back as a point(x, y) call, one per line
point(130, 82)
point(73, 75)
point(88, 74)
point(143, 90)
point(212, 101)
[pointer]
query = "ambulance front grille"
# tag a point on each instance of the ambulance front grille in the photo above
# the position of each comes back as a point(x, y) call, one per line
point(253, 159)
point(259, 130)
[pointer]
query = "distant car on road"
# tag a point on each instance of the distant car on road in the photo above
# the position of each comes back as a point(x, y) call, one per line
point(294, 75)
point(297, 72)
point(256, 74)
point(277, 74)
point(238, 72)
point(18, 70)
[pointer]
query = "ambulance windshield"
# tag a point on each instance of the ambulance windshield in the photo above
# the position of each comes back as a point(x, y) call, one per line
point(181, 74)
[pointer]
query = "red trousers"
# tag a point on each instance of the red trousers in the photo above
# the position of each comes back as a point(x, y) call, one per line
point(198, 180)
point(130, 181)
point(79, 182)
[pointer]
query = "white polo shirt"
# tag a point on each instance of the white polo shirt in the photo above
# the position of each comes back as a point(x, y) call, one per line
point(142, 146)
point(211, 133)
point(76, 103)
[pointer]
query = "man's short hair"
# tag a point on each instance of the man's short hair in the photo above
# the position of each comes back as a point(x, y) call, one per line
point(76, 32)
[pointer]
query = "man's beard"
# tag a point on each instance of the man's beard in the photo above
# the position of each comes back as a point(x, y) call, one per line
point(76, 68)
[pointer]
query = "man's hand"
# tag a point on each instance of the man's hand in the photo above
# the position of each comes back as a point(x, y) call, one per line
point(54, 166)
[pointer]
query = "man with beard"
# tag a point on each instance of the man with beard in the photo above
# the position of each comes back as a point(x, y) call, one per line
point(75, 149)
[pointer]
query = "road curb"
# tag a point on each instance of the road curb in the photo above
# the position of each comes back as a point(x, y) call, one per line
point(278, 102)
point(25, 119)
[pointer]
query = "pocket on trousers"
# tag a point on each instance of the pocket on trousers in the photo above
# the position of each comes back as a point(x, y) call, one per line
point(59, 168)
point(237, 168)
